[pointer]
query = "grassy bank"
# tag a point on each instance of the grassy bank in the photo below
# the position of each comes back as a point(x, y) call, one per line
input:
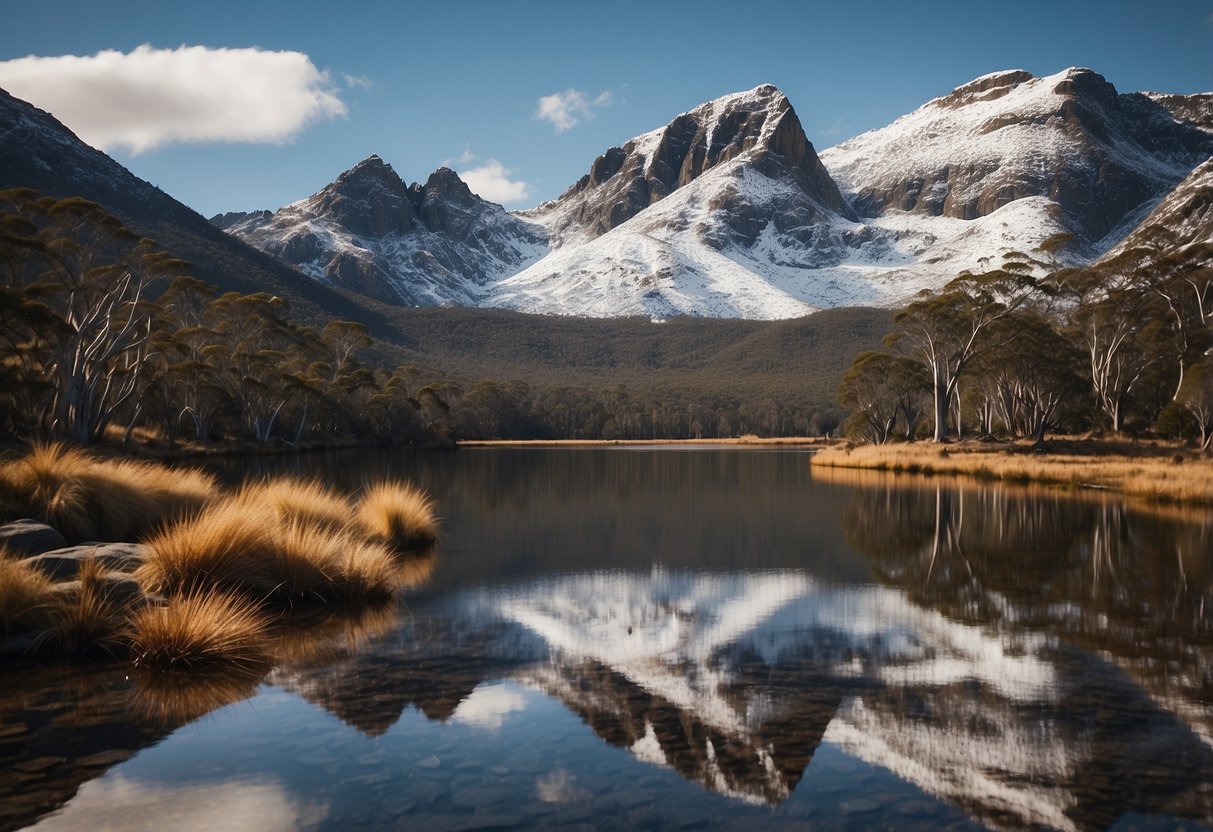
point(216, 572)
point(732, 441)
point(1155, 471)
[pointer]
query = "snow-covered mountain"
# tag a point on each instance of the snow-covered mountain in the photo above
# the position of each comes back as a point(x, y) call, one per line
point(1184, 218)
point(1069, 137)
point(728, 211)
point(432, 244)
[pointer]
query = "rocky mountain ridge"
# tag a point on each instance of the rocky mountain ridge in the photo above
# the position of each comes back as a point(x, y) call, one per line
point(1070, 137)
point(428, 244)
point(728, 210)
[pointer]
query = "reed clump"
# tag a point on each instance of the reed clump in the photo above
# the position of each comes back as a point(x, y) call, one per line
point(26, 597)
point(237, 546)
point(89, 619)
point(201, 629)
point(305, 501)
point(87, 498)
point(224, 575)
point(398, 514)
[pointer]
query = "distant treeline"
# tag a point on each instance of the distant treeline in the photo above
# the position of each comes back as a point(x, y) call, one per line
point(103, 333)
point(1123, 345)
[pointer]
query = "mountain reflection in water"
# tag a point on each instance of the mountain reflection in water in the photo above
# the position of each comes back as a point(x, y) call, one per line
point(734, 681)
point(1028, 659)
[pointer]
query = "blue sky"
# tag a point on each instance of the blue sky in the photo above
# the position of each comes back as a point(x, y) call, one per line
point(423, 84)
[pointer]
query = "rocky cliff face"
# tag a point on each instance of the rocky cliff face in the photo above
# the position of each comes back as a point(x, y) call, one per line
point(1183, 219)
point(759, 125)
point(427, 244)
point(1069, 137)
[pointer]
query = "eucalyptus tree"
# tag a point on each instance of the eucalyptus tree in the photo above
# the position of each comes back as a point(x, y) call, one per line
point(92, 274)
point(1196, 396)
point(1030, 376)
point(881, 388)
point(947, 330)
point(1116, 322)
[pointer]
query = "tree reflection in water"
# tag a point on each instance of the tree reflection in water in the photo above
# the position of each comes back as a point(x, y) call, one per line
point(1122, 594)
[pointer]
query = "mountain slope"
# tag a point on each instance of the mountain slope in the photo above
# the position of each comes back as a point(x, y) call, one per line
point(1185, 215)
point(724, 212)
point(1069, 137)
point(37, 151)
point(423, 245)
point(759, 126)
point(728, 211)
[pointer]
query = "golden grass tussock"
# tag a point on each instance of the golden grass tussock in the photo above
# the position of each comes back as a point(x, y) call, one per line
point(25, 597)
point(1151, 477)
point(306, 501)
point(88, 498)
point(235, 545)
point(89, 620)
point(399, 515)
point(201, 629)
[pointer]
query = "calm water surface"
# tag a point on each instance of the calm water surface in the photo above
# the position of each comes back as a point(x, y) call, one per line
point(648, 639)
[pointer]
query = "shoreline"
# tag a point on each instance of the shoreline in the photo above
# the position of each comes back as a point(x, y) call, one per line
point(1156, 472)
point(733, 441)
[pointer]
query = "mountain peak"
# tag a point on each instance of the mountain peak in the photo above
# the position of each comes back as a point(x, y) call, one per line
point(756, 128)
point(445, 183)
point(370, 169)
point(1068, 137)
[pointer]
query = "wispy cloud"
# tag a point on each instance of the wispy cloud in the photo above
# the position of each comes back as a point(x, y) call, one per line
point(835, 129)
point(565, 110)
point(490, 179)
point(358, 81)
point(149, 98)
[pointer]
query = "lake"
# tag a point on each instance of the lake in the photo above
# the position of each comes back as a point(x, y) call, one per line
point(659, 638)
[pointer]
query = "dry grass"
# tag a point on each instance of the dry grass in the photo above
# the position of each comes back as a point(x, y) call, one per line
point(201, 630)
point(399, 515)
point(1145, 471)
point(235, 545)
point(89, 621)
point(87, 498)
point(306, 501)
point(25, 597)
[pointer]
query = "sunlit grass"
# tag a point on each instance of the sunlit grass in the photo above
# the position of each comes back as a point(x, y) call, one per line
point(87, 621)
point(201, 630)
point(87, 498)
point(25, 597)
point(305, 501)
point(398, 514)
point(1156, 477)
point(229, 562)
point(236, 545)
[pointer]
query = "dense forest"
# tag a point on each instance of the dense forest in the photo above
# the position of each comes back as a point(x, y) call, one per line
point(103, 334)
point(1120, 346)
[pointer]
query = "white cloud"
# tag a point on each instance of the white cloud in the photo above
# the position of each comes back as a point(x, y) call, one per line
point(567, 109)
point(149, 98)
point(491, 181)
point(488, 705)
point(112, 802)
